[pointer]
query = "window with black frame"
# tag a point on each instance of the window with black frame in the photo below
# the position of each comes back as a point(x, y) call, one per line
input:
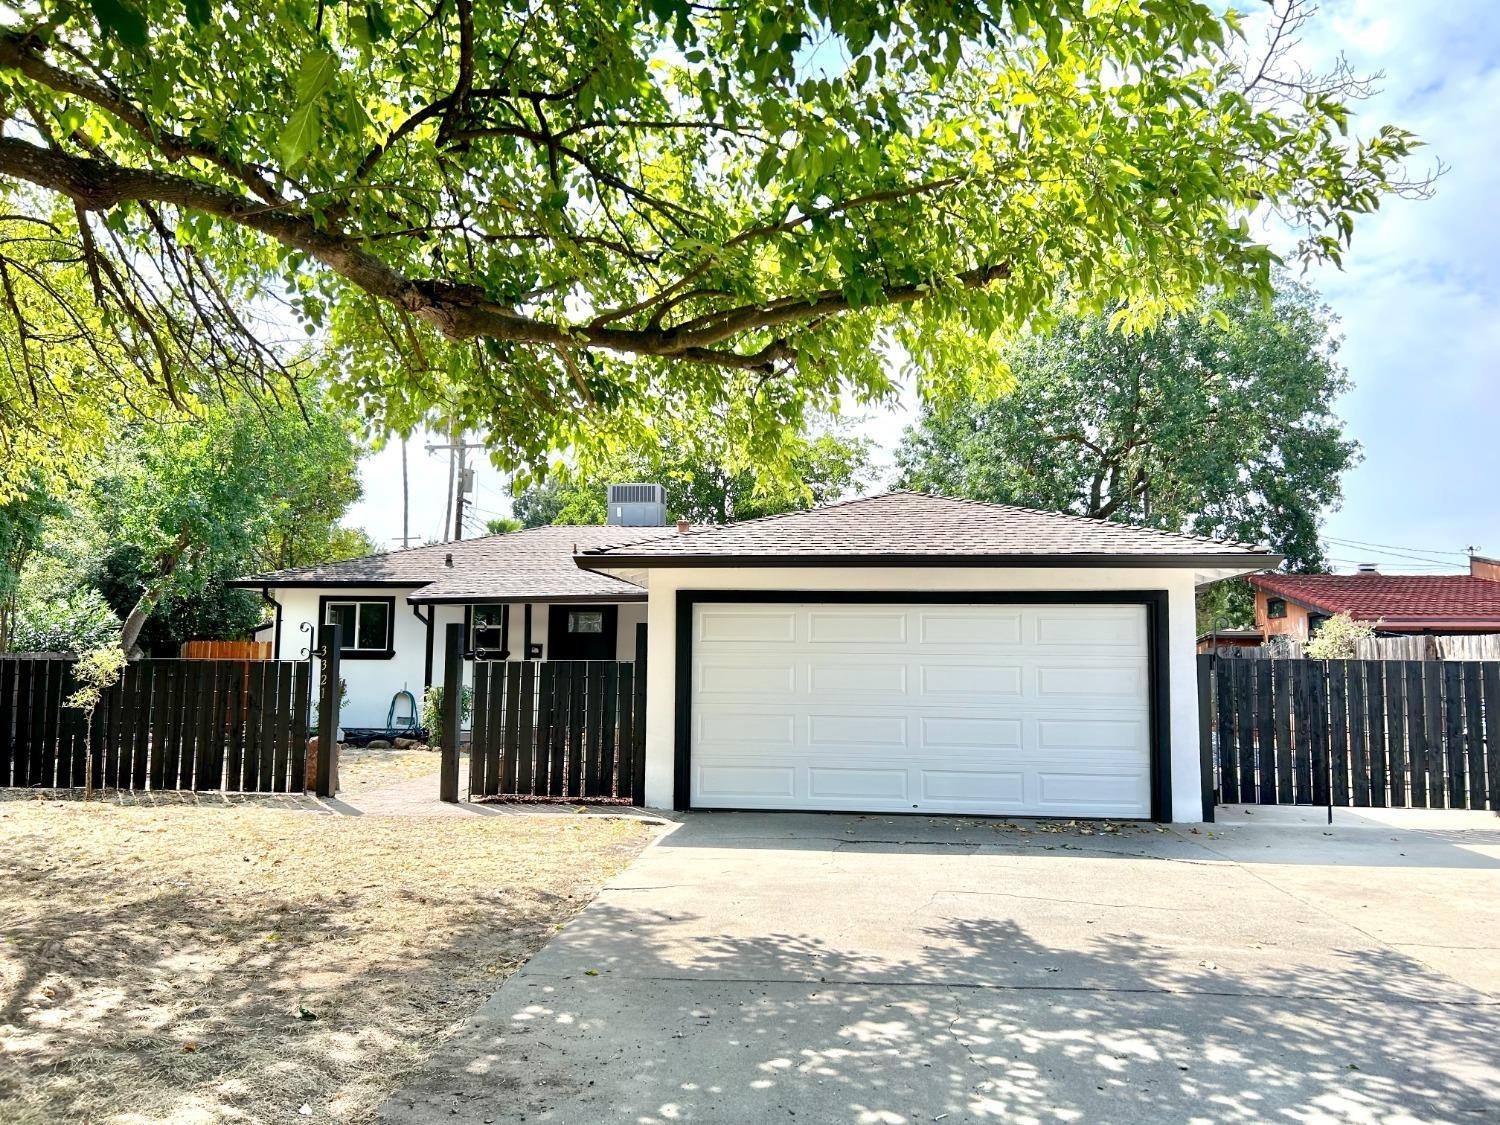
point(488, 630)
point(1275, 608)
point(364, 626)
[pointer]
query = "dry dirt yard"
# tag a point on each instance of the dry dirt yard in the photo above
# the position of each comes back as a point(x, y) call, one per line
point(166, 960)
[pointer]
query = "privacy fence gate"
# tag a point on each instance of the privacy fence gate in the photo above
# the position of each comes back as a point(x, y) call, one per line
point(561, 729)
point(197, 725)
point(1369, 733)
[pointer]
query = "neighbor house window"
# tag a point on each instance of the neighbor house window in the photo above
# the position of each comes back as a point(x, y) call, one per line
point(489, 629)
point(585, 621)
point(1275, 607)
point(364, 626)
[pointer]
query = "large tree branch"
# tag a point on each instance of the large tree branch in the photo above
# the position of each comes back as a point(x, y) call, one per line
point(457, 311)
point(19, 52)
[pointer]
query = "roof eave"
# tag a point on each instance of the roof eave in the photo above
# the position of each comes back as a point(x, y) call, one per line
point(516, 599)
point(284, 582)
point(1244, 562)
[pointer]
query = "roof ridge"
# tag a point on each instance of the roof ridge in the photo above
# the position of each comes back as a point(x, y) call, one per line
point(1099, 520)
point(1091, 520)
point(450, 544)
point(705, 528)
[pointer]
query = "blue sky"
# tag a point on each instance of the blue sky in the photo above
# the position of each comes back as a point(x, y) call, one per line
point(1418, 300)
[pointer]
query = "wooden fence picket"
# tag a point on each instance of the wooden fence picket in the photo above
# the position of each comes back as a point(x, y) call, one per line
point(567, 729)
point(203, 725)
point(1383, 733)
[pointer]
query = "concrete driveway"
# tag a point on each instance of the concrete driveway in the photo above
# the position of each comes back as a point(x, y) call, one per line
point(882, 970)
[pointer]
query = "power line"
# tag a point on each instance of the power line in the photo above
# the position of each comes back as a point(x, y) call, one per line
point(1393, 553)
point(1395, 546)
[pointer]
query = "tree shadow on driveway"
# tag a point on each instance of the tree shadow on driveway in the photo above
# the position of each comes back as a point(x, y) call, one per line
point(976, 1006)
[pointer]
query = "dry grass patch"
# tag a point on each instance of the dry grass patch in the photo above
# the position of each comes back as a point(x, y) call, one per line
point(237, 963)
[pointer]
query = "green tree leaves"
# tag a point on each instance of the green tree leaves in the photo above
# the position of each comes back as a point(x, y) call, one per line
point(556, 225)
point(1219, 422)
point(314, 79)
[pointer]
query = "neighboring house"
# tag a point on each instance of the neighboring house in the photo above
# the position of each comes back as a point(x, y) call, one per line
point(910, 653)
point(897, 653)
point(1296, 604)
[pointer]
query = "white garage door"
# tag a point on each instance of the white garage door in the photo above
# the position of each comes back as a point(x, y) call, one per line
point(1009, 709)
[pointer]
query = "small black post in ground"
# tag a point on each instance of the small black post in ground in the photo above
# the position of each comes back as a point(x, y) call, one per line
point(453, 695)
point(330, 688)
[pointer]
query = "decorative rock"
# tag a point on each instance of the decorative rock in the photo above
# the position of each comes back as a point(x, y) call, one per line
point(377, 744)
point(406, 743)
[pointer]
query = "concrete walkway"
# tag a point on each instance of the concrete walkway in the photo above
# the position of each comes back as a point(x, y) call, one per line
point(880, 971)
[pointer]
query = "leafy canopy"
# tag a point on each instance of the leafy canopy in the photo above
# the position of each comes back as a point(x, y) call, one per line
point(220, 494)
point(560, 224)
point(1219, 422)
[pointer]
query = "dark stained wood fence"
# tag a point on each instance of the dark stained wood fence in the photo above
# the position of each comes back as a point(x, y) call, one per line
point(1368, 733)
point(565, 729)
point(203, 725)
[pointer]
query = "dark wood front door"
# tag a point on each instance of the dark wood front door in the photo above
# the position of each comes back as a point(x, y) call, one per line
point(582, 632)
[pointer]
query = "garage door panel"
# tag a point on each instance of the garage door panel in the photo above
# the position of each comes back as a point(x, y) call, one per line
point(1092, 735)
point(856, 627)
point(1106, 794)
point(947, 627)
point(975, 787)
point(1081, 681)
point(845, 783)
point(837, 676)
point(997, 683)
point(908, 708)
point(852, 729)
point(736, 728)
point(966, 732)
point(1090, 627)
point(745, 781)
point(730, 678)
point(748, 625)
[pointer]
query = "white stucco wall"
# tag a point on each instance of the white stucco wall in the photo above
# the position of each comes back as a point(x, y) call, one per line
point(372, 683)
point(665, 582)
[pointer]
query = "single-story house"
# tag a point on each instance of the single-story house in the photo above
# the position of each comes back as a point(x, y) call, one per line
point(1295, 605)
point(895, 653)
point(518, 595)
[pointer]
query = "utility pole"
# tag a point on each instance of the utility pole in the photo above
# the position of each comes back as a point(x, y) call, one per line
point(405, 501)
point(460, 481)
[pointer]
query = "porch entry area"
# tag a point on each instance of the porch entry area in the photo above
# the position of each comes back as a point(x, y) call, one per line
point(562, 730)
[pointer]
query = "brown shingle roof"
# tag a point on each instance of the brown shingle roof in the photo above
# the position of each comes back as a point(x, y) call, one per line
point(520, 565)
point(901, 526)
point(1412, 600)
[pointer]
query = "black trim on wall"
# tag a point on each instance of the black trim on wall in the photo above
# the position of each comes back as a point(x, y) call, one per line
point(416, 611)
point(1158, 680)
point(348, 653)
point(265, 596)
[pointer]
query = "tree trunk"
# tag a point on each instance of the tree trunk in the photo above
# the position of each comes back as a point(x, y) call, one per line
point(135, 621)
point(166, 566)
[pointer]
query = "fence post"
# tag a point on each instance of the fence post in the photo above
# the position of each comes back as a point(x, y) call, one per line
point(453, 694)
point(1205, 736)
point(638, 733)
point(331, 649)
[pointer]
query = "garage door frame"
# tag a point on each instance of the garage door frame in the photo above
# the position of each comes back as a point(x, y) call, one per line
point(1158, 687)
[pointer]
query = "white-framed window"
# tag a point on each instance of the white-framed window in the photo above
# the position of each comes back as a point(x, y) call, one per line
point(364, 623)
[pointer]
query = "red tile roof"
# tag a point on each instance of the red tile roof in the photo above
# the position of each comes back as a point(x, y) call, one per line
point(1413, 601)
